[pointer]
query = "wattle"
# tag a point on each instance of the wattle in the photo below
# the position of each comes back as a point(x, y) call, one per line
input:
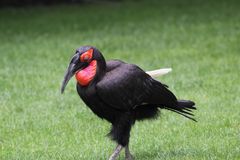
point(86, 75)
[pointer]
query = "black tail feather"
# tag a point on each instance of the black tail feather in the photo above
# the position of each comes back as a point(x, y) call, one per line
point(182, 114)
point(184, 108)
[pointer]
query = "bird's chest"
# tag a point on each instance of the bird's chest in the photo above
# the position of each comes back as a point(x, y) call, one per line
point(92, 100)
point(88, 94)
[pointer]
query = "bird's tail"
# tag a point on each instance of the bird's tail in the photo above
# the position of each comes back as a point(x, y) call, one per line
point(184, 108)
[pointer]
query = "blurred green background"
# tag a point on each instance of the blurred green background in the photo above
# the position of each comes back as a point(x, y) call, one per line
point(200, 40)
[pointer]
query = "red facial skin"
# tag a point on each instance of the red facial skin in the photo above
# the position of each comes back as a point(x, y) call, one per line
point(87, 56)
point(85, 76)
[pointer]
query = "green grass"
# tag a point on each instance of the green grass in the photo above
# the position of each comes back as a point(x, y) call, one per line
point(200, 40)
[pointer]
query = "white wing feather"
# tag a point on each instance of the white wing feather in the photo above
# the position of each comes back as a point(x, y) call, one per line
point(159, 72)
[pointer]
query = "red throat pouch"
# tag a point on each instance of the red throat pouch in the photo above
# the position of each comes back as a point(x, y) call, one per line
point(85, 76)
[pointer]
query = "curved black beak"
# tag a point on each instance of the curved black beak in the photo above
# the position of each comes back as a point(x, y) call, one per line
point(73, 67)
point(68, 75)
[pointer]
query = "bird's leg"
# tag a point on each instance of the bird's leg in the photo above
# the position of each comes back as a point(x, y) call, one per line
point(116, 152)
point(128, 155)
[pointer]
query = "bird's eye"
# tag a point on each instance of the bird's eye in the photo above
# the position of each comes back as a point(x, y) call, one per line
point(87, 56)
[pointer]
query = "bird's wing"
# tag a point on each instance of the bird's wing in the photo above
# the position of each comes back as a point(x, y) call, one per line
point(123, 87)
point(159, 72)
point(128, 86)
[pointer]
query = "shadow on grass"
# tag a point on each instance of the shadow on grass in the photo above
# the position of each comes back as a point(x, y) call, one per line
point(167, 154)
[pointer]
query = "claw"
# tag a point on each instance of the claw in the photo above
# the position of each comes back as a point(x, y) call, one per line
point(128, 155)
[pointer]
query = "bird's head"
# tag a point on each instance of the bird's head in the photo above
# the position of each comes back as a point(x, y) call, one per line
point(84, 57)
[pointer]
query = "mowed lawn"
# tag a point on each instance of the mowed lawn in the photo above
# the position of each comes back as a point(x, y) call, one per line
point(200, 40)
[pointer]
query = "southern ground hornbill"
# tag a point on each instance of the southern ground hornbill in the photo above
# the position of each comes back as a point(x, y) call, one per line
point(121, 93)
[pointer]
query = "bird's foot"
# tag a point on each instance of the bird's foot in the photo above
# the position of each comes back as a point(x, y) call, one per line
point(116, 152)
point(129, 157)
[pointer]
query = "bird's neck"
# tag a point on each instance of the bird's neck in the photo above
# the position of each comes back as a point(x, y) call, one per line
point(101, 69)
point(93, 72)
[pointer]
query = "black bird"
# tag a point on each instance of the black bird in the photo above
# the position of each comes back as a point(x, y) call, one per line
point(121, 93)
